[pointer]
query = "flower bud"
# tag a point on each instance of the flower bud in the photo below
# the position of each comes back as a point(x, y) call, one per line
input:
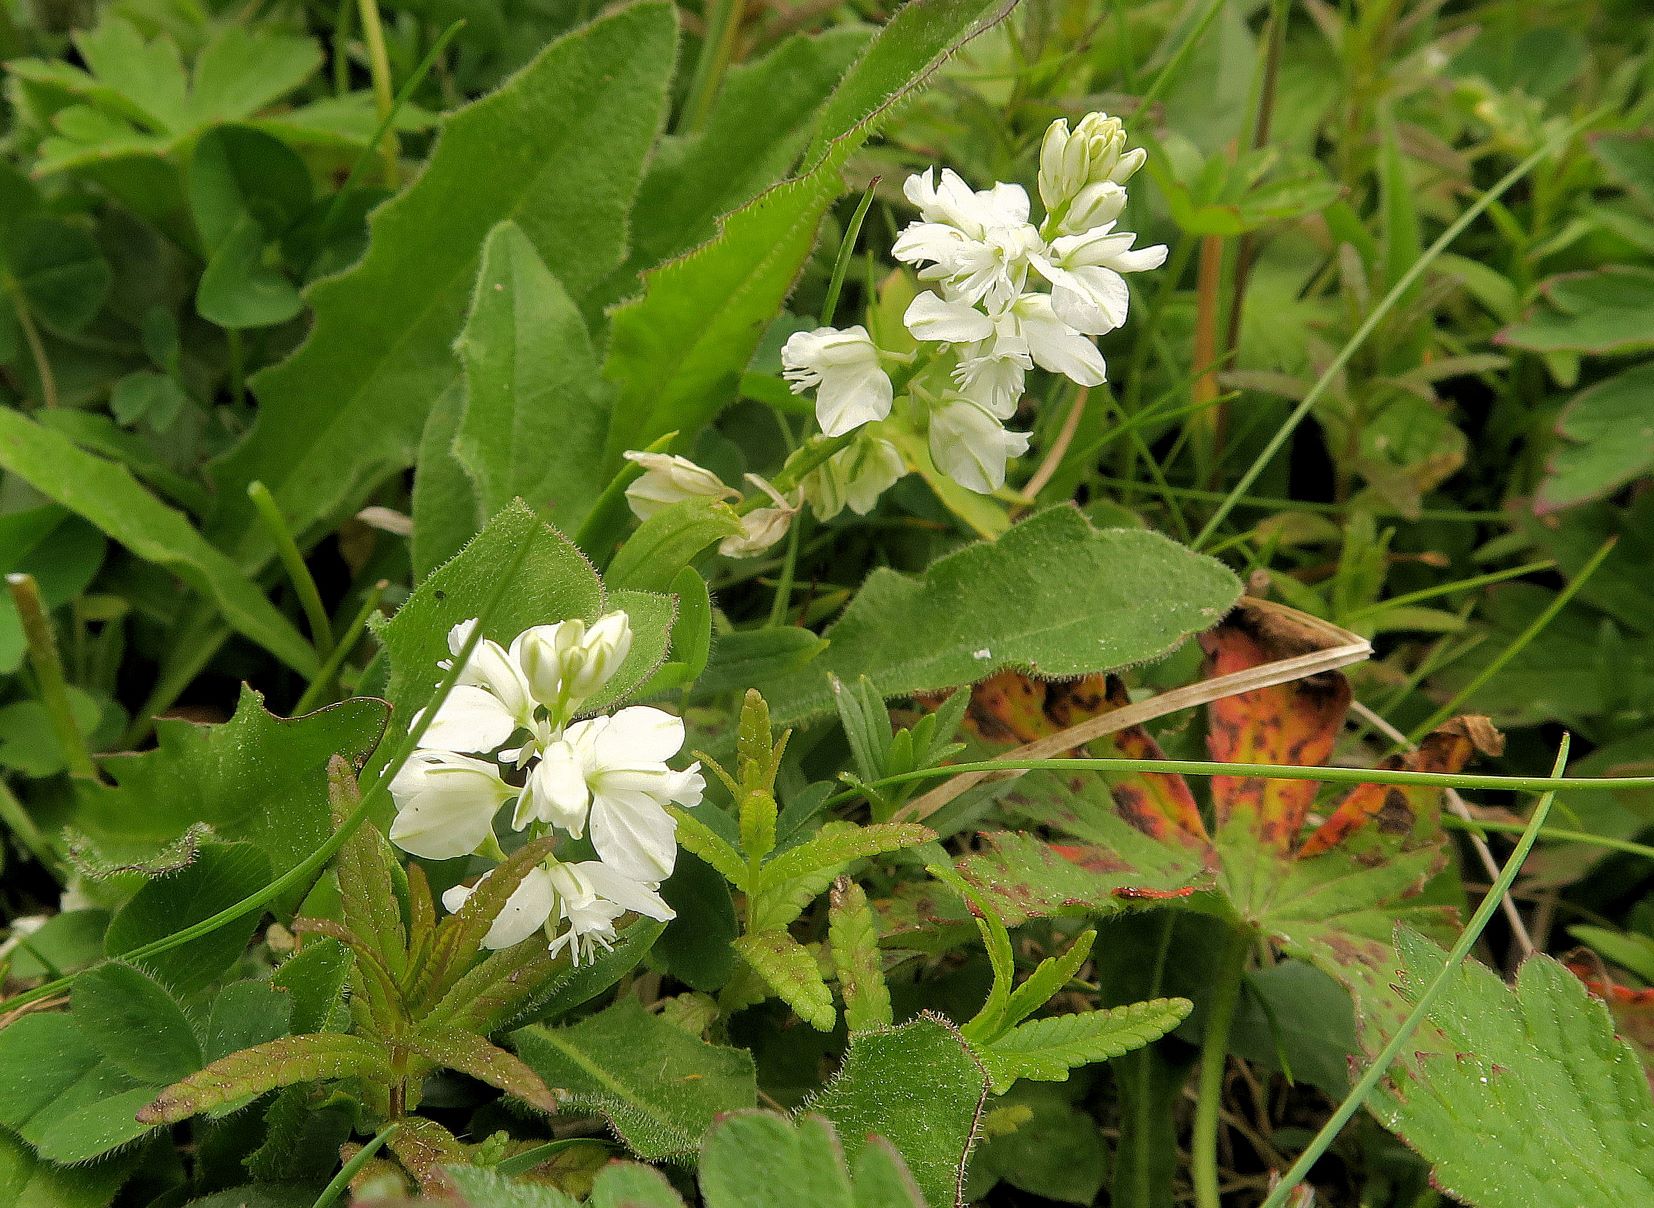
point(668, 479)
point(1093, 153)
point(854, 477)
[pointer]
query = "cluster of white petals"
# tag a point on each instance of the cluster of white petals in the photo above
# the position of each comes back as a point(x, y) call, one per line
point(605, 776)
point(1002, 296)
point(668, 479)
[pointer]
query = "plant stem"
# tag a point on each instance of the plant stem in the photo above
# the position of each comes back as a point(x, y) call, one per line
point(789, 569)
point(1214, 1055)
point(48, 670)
point(37, 349)
point(21, 825)
point(341, 651)
point(384, 97)
point(841, 264)
point(292, 560)
point(357, 1160)
point(717, 49)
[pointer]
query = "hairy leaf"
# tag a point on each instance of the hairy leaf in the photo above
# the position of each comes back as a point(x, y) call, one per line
point(60, 1095)
point(855, 943)
point(659, 1087)
point(839, 844)
point(136, 1024)
point(263, 1068)
point(790, 971)
point(953, 625)
point(471, 1054)
point(1044, 1050)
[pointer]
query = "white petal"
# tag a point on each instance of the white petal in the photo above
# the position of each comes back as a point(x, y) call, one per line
point(846, 401)
point(633, 834)
point(970, 446)
point(470, 719)
point(1091, 300)
point(556, 792)
point(929, 317)
point(1056, 346)
point(634, 895)
point(445, 804)
point(524, 912)
point(639, 735)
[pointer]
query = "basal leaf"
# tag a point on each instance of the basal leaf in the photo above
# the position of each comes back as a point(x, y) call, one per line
point(60, 1095)
point(470, 1054)
point(919, 1087)
point(535, 410)
point(659, 1087)
point(1558, 1107)
point(1139, 595)
point(558, 150)
point(1595, 313)
point(107, 495)
point(258, 777)
point(322, 1055)
point(136, 1024)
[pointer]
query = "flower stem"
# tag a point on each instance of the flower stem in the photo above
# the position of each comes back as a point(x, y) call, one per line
point(384, 98)
point(37, 349)
point(717, 49)
point(789, 569)
point(310, 599)
point(1214, 1054)
point(48, 670)
point(341, 650)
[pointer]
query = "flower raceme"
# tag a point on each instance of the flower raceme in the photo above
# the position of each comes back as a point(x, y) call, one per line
point(605, 776)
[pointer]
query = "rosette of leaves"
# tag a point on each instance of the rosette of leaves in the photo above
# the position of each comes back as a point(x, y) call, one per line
point(1328, 894)
point(420, 1001)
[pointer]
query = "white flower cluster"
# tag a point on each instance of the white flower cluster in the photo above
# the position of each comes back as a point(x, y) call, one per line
point(1003, 296)
point(606, 775)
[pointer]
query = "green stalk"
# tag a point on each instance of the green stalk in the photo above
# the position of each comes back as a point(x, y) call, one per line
point(379, 66)
point(292, 560)
point(357, 1160)
point(329, 672)
point(723, 22)
point(1370, 324)
point(17, 820)
point(48, 671)
point(846, 249)
point(1353, 1102)
point(37, 348)
point(1214, 1055)
point(1552, 833)
point(1532, 631)
point(789, 570)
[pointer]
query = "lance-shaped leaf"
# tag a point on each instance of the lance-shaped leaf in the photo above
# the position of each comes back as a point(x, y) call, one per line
point(1045, 1050)
point(265, 1067)
point(1558, 1106)
point(367, 873)
point(954, 624)
point(470, 1054)
point(839, 844)
point(659, 1087)
point(919, 1087)
point(558, 149)
point(791, 973)
point(257, 777)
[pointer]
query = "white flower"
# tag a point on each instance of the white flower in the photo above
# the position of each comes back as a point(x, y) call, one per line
point(611, 772)
point(488, 703)
point(1070, 163)
point(930, 317)
point(761, 528)
point(970, 446)
point(668, 479)
point(1089, 293)
point(854, 477)
point(991, 372)
point(843, 368)
point(445, 804)
point(589, 897)
point(976, 244)
point(566, 662)
point(1053, 344)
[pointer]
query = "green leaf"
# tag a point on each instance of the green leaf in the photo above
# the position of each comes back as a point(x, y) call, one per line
point(954, 624)
point(1602, 312)
point(445, 511)
point(108, 496)
point(257, 777)
point(1055, 1149)
point(1558, 1106)
point(244, 1014)
point(1606, 440)
point(26, 1182)
point(1297, 1019)
point(558, 150)
point(790, 971)
point(61, 1096)
point(659, 1087)
point(918, 1086)
point(322, 1055)
point(237, 172)
point(677, 351)
point(136, 1024)
point(222, 875)
point(553, 582)
point(755, 656)
point(239, 288)
point(60, 270)
point(838, 844)
point(535, 410)
point(630, 1185)
point(470, 1054)
point(696, 944)
point(578, 985)
point(314, 978)
point(60, 550)
point(802, 1165)
point(855, 944)
point(669, 541)
point(1044, 1050)
point(481, 1185)
point(1051, 975)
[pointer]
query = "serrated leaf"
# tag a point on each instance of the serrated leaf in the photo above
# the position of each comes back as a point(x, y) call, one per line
point(265, 1067)
point(257, 777)
point(106, 494)
point(470, 1054)
point(676, 351)
point(535, 411)
point(659, 1087)
point(1558, 1106)
point(1047, 979)
point(791, 973)
point(558, 149)
point(697, 837)
point(919, 1087)
point(854, 940)
point(839, 844)
point(366, 871)
point(136, 1024)
point(1045, 1050)
point(459, 936)
point(953, 625)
